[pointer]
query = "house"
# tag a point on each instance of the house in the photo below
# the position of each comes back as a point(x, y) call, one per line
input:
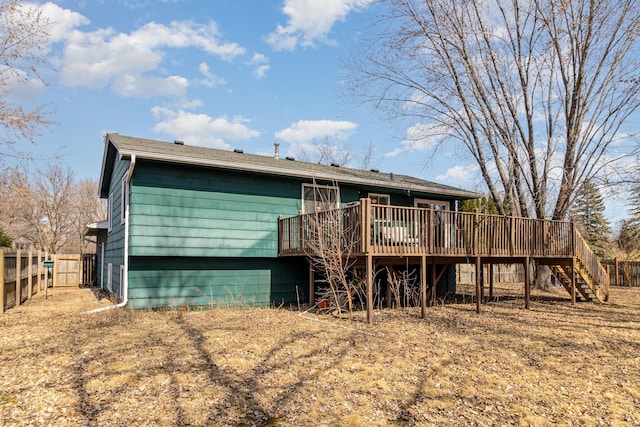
point(196, 226)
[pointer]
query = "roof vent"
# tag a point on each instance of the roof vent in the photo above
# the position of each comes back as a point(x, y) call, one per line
point(290, 158)
point(391, 176)
point(335, 165)
point(237, 150)
point(375, 170)
point(178, 142)
point(276, 146)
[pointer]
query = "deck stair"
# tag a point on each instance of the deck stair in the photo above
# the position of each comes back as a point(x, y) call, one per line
point(592, 280)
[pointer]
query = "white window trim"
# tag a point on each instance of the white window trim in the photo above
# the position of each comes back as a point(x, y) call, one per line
point(110, 212)
point(335, 187)
point(124, 198)
point(444, 203)
point(379, 195)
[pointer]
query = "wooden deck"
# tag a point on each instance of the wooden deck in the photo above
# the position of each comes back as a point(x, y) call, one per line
point(371, 231)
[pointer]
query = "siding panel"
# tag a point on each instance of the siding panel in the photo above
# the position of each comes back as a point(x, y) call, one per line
point(204, 212)
point(213, 282)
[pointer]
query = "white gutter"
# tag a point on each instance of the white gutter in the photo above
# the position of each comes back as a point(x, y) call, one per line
point(123, 286)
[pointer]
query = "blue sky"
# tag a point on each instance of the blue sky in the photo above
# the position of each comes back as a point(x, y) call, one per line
point(224, 74)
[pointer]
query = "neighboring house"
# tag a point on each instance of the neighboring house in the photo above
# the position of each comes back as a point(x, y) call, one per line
point(196, 226)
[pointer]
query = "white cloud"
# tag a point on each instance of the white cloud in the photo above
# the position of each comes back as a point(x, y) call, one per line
point(210, 79)
point(261, 64)
point(145, 87)
point(19, 87)
point(304, 131)
point(201, 129)
point(458, 175)
point(421, 137)
point(310, 21)
point(105, 57)
point(61, 21)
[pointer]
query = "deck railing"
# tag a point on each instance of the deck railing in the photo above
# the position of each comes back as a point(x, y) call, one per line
point(591, 263)
point(394, 230)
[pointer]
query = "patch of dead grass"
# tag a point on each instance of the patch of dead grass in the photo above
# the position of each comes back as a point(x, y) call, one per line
point(554, 364)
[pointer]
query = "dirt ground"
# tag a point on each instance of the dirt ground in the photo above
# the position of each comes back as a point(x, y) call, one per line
point(555, 364)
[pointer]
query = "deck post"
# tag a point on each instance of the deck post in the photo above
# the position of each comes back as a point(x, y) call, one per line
point(365, 221)
point(434, 282)
point(512, 233)
point(491, 280)
point(573, 281)
point(482, 281)
point(423, 286)
point(476, 226)
point(312, 284)
point(526, 283)
point(369, 289)
point(478, 267)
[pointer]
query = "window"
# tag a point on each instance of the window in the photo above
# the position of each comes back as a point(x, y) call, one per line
point(110, 212)
point(438, 205)
point(124, 199)
point(110, 277)
point(317, 198)
point(380, 199)
point(121, 280)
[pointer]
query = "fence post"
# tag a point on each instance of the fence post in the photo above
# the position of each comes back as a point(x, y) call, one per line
point(18, 277)
point(39, 266)
point(46, 270)
point(30, 273)
point(55, 270)
point(2, 281)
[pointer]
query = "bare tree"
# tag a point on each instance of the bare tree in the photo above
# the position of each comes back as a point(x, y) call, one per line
point(330, 240)
point(535, 90)
point(23, 39)
point(87, 208)
point(324, 152)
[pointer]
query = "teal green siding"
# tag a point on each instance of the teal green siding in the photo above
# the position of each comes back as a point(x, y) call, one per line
point(215, 282)
point(114, 244)
point(207, 237)
point(197, 212)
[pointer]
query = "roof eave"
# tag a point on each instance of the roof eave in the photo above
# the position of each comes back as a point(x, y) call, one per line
point(454, 193)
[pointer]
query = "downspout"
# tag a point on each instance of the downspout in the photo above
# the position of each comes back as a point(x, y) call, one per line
point(125, 285)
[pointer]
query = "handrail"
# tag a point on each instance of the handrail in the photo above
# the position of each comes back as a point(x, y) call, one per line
point(591, 263)
point(399, 230)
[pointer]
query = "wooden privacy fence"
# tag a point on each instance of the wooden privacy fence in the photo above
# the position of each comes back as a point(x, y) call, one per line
point(502, 273)
point(623, 273)
point(21, 276)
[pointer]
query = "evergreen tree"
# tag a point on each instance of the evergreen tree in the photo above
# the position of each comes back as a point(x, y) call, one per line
point(484, 205)
point(634, 210)
point(627, 242)
point(5, 240)
point(587, 213)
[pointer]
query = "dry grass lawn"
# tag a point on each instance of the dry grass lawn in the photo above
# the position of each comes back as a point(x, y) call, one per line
point(555, 364)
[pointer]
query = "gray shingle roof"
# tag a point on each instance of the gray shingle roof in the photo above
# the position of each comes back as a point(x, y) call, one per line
point(189, 154)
